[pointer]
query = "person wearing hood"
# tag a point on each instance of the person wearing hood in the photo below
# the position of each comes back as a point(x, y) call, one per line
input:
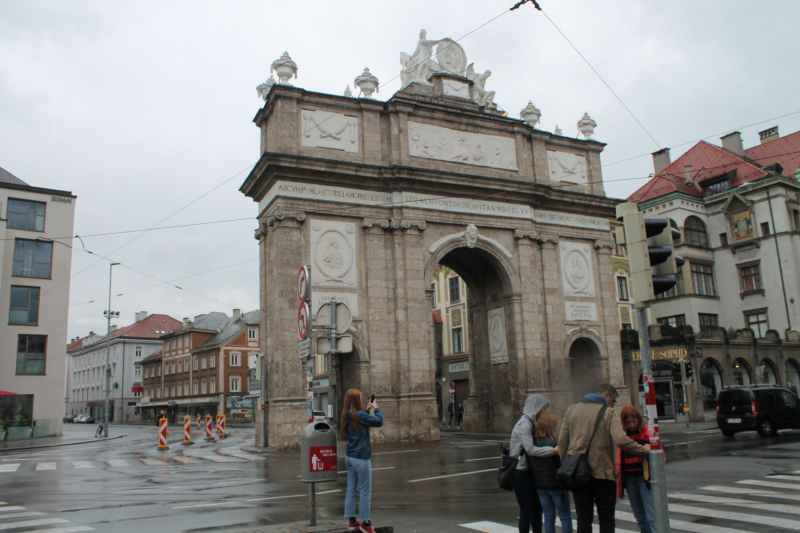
point(576, 434)
point(522, 445)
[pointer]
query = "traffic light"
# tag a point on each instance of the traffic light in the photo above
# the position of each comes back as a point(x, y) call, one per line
point(650, 251)
point(689, 369)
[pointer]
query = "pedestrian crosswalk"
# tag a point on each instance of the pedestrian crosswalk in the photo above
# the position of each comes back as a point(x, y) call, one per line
point(742, 507)
point(21, 520)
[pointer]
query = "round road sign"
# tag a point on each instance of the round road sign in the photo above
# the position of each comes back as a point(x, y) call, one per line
point(303, 282)
point(303, 320)
point(452, 385)
point(344, 318)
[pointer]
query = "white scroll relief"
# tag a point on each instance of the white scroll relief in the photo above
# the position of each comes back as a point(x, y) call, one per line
point(498, 349)
point(445, 144)
point(329, 130)
point(567, 167)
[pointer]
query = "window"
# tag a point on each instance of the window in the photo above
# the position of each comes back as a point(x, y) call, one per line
point(716, 187)
point(173, 367)
point(234, 358)
point(24, 306)
point(758, 322)
point(186, 387)
point(251, 334)
point(137, 372)
point(703, 279)
point(159, 370)
point(765, 229)
point(23, 214)
point(433, 295)
point(674, 321)
point(458, 340)
point(622, 288)
point(166, 369)
point(695, 232)
point(723, 239)
point(138, 352)
point(750, 278)
point(195, 386)
point(707, 320)
point(32, 258)
point(173, 391)
point(204, 386)
point(619, 250)
point(213, 361)
point(204, 363)
point(676, 290)
point(195, 363)
point(455, 289)
point(789, 399)
point(180, 342)
point(213, 385)
point(234, 383)
point(31, 351)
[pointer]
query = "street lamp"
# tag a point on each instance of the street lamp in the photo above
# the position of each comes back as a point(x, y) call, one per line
point(109, 314)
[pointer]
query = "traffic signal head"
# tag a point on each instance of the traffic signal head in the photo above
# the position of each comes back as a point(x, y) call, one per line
point(660, 241)
point(689, 368)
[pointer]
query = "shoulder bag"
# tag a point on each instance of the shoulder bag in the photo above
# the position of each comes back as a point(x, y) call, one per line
point(575, 471)
point(508, 464)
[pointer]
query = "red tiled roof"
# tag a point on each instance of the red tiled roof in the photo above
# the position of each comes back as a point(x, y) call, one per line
point(152, 327)
point(717, 161)
point(155, 356)
point(437, 316)
point(784, 151)
point(77, 344)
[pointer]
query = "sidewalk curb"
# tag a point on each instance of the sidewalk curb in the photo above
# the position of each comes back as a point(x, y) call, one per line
point(22, 448)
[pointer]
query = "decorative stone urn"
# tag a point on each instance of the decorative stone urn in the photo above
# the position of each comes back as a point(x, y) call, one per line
point(558, 131)
point(367, 82)
point(264, 88)
point(285, 68)
point(530, 114)
point(586, 126)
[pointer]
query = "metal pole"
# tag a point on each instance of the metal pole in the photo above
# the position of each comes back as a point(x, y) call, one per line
point(108, 348)
point(334, 332)
point(656, 459)
point(312, 504)
point(685, 395)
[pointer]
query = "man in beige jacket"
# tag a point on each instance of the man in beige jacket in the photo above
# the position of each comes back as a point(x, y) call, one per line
point(576, 431)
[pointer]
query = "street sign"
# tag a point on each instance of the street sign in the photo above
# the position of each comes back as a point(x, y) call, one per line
point(344, 318)
point(304, 320)
point(344, 344)
point(304, 348)
point(303, 284)
point(452, 385)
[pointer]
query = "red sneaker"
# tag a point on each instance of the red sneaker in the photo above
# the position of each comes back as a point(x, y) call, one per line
point(366, 528)
point(353, 526)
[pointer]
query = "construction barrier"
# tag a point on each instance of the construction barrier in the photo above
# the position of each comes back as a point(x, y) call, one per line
point(187, 431)
point(222, 425)
point(198, 420)
point(209, 433)
point(162, 434)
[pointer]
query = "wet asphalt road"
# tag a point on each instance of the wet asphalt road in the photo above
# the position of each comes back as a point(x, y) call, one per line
point(126, 485)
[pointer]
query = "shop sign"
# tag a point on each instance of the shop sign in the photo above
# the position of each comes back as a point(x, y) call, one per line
point(459, 367)
point(325, 382)
point(662, 353)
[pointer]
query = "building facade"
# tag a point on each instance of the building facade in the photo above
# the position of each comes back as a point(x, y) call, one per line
point(129, 345)
point(436, 175)
point(35, 269)
point(738, 211)
point(202, 369)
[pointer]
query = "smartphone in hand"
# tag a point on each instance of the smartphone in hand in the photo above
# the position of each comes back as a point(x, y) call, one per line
point(372, 399)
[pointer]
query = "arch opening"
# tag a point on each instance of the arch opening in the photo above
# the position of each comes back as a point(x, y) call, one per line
point(792, 375)
point(741, 373)
point(584, 357)
point(710, 383)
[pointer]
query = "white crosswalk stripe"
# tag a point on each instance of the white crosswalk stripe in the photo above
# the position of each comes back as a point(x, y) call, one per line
point(680, 525)
point(118, 462)
point(23, 526)
point(753, 492)
point(20, 515)
point(31, 523)
point(82, 464)
point(45, 466)
point(69, 529)
point(9, 467)
point(11, 508)
point(759, 483)
point(738, 517)
point(771, 507)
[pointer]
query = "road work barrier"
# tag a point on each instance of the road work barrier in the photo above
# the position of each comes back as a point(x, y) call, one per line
point(221, 426)
point(209, 433)
point(198, 420)
point(162, 434)
point(187, 431)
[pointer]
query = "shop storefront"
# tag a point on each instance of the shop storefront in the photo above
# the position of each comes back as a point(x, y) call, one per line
point(176, 410)
point(454, 371)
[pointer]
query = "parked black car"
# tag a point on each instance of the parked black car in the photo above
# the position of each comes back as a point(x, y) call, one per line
point(69, 418)
point(765, 409)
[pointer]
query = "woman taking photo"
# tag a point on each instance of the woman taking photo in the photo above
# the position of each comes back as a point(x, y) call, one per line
point(355, 426)
point(553, 498)
point(634, 474)
point(522, 446)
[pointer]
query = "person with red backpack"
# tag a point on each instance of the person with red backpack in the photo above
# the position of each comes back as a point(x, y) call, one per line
point(634, 471)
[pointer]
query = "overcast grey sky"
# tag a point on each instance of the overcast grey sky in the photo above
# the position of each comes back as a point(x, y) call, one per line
point(141, 107)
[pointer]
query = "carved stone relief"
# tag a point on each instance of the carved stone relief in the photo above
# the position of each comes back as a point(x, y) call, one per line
point(333, 253)
point(567, 167)
point(498, 348)
point(329, 130)
point(576, 265)
point(455, 88)
point(445, 144)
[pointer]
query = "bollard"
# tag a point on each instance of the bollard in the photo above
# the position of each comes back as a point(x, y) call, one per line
point(162, 434)
point(198, 420)
point(209, 433)
point(187, 431)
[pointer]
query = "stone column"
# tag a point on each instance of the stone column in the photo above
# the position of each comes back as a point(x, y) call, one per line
point(560, 371)
point(534, 376)
point(261, 237)
point(476, 409)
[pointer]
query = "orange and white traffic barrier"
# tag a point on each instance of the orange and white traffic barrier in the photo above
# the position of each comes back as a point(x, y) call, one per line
point(209, 433)
point(162, 434)
point(187, 431)
point(218, 426)
point(222, 425)
point(198, 420)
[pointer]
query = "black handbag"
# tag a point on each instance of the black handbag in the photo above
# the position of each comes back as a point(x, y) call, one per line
point(575, 471)
point(508, 465)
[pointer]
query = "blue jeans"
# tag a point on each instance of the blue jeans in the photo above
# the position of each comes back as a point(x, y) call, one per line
point(359, 475)
point(552, 501)
point(641, 500)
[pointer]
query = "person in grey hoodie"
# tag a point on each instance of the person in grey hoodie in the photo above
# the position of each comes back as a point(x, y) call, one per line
point(530, 509)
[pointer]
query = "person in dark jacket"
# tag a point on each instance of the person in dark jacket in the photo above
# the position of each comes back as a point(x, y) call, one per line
point(451, 410)
point(460, 421)
point(355, 426)
point(543, 469)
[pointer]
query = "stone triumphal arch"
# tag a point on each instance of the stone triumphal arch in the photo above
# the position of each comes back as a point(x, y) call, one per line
point(374, 195)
